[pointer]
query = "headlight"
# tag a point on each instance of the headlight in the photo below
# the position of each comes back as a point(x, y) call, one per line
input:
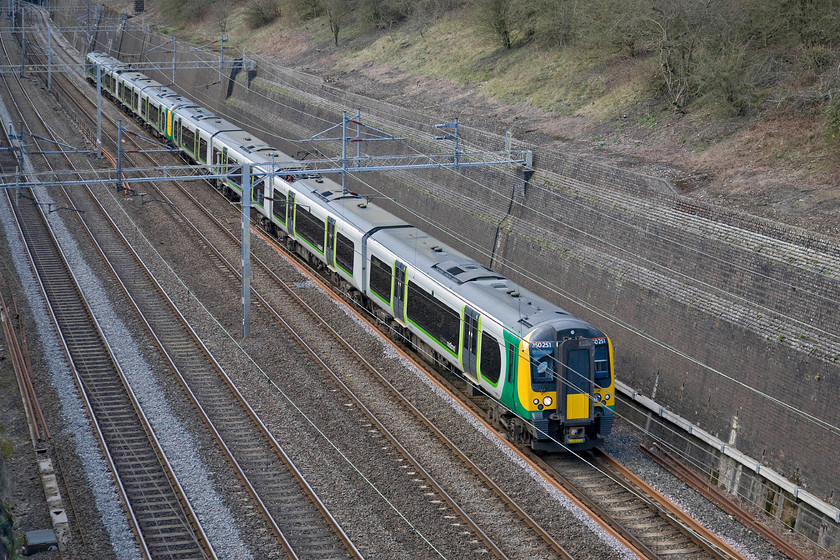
point(597, 397)
point(607, 397)
point(547, 401)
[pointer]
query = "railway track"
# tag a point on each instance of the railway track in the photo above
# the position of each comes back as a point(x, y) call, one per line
point(298, 518)
point(661, 529)
point(651, 534)
point(649, 523)
point(162, 519)
point(555, 548)
point(323, 350)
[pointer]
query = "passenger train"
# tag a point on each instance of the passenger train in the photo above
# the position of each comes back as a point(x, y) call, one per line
point(549, 375)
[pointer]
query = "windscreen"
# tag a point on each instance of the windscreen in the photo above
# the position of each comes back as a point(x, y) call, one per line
point(577, 371)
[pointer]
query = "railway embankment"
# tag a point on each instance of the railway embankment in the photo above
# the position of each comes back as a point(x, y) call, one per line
point(727, 319)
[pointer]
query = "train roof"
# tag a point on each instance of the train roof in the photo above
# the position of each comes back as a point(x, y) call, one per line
point(140, 80)
point(353, 208)
point(244, 143)
point(106, 60)
point(201, 117)
point(519, 309)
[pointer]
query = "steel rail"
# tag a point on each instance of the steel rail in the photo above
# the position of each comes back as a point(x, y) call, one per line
point(23, 374)
point(196, 400)
point(707, 540)
point(121, 489)
point(250, 487)
point(89, 390)
point(722, 500)
point(27, 364)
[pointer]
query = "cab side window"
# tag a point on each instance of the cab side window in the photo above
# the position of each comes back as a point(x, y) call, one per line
point(380, 279)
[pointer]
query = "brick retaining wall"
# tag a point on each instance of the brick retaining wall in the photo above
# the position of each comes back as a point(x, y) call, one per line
point(721, 314)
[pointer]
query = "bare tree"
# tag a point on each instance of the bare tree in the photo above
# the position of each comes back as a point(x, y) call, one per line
point(558, 22)
point(384, 14)
point(619, 23)
point(307, 9)
point(677, 30)
point(336, 11)
point(262, 12)
point(508, 20)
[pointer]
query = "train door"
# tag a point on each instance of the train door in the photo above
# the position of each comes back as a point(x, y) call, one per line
point(399, 292)
point(290, 214)
point(330, 254)
point(575, 381)
point(469, 343)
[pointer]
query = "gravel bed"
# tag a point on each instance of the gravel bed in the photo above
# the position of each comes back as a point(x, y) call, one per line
point(74, 416)
point(624, 443)
point(364, 337)
point(424, 393)
point(352, 468)
point(176, 440)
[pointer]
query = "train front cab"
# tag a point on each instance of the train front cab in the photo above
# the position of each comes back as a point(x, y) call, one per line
point(569, 392)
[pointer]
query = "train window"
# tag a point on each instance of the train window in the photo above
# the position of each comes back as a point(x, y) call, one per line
point(188, 139)
point(217, 156)
point(380, 279)
point(433, 317)
point(279, 208)
point(513, 355)
point(202, 149)
point(144, 108)
point(310, 228)
point(259, 194)
point(344, 252)
point(154, 113)
point(602, 366)
point(542, 364)
point(491, 358)
point(136, 100)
